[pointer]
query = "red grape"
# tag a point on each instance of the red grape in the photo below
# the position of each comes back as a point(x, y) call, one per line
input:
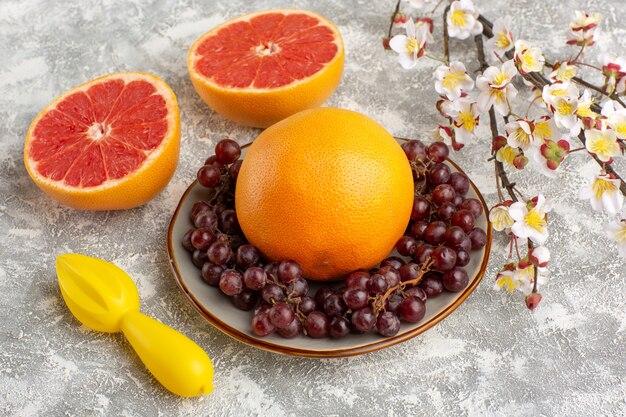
point(454, 236)
point(231, 282)
point(364, 319)
point(247, 256)
point(272, 293)
point(281, 315)
point(298, 287)
point(228, 221)
point(202, 238)
point(409, 272)
point(393, 261)
point(462, 258)
point(459, 182)
point(455, 279)
point(289, 270)
point(322, 294)
point(227, 151)
point(414, 150)
point(416, 292)
point(355, 297)
point(358, 279)
point(199, 258)
point(339, 327)
point(255, 278)
point(334, 305)
point(438, 174)
point(187, 241)
point(209, 176)
point(478, 238)
point(307, 304)
point(411, 309)
point(438, 151)
point(472, 205)
point(431, 284)
point(418, 228)
point(219, 253)
point(377, 284)
point(464, 219)
point(435, 232)
point(446, 210)
point(423, 252)
point(206, 218)
point(261, 324)
point(245, 300)
point(443, 193)
point(211, 273)
point(387, 324)
point(292, 330)
point(317, 324)
point(406, 246)
point(421, 208)
point(443, 258)
point(233, 171)
point(392, 275)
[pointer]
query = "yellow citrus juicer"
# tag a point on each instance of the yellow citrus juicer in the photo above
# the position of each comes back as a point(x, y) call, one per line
point(103, 297)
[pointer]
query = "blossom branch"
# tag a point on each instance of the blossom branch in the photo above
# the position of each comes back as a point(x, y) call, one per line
point(393, 17)
point(540, 81)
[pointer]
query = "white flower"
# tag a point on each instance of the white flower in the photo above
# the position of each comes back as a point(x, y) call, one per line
point(502, 40)
point(604, 194)
point(528, 58)
point(583, 21)
point(539, 256)
point(583, 108)
point(559, 89)
point(462, 20)
point(565, 114)
point(465, 115)
point(603, 143)
point(411, 46)
point(524, 278)
point(445, 134)
point(496, 88)
point(545, 128)
point(615, 117)
point(564, 71)
point(417, 4)
point(452, 80)
point(519, 134)
point(505, 279)
point(500, 218)
point(617, 231)
point(584, 31)
point(530, 222)
point(614, 71)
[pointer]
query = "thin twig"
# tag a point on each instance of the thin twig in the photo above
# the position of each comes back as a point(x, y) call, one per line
point(446, 37)
point(393, 17)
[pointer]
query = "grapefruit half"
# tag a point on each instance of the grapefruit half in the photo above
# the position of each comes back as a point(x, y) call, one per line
point(111, 143)
point(262, 67)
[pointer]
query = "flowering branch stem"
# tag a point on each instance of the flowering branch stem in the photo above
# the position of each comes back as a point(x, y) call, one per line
point(540, 81)
point(393, 17)
point(446, 37)
point(582, 49)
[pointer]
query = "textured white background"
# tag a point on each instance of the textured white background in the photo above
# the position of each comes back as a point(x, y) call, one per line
point(491, 357)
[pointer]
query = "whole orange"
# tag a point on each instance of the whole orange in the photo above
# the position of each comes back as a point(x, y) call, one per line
point(329, 188)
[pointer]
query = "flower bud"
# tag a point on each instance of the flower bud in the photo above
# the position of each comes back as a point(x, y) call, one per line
point(533, 300)
point(386, 42)
point(539, 256)
point(520, 161)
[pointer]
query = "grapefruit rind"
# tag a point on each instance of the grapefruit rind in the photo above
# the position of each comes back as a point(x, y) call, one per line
point(132, 190)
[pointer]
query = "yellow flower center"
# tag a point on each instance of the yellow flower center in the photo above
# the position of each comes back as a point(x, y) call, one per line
point(467, 120)
point(542, 129)
point(452, 79)
point(506, 282)
point(585, 110)
point(527, 273)
point(535, 220)
point(522, 137)
point(620, 235)
point(567, 74)
point(412, 46)
point(458, 18)
point(529, 59)
point(501, 219)
point(601, 186)
point(564, 108)
point(559, 92)
point(602, 146)
point(620, 128)
point(500, 78)
point(507, 154)
point(502, 40)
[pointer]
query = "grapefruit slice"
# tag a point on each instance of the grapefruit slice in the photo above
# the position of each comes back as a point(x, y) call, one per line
point(111, 143)
point(262, 67)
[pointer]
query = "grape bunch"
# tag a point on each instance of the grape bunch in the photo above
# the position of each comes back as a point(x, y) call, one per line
point(435, 248)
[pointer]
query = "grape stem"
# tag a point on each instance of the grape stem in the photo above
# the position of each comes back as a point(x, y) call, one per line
point(379, 300)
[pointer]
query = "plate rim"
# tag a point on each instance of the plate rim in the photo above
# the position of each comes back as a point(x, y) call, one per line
point(334, 353)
